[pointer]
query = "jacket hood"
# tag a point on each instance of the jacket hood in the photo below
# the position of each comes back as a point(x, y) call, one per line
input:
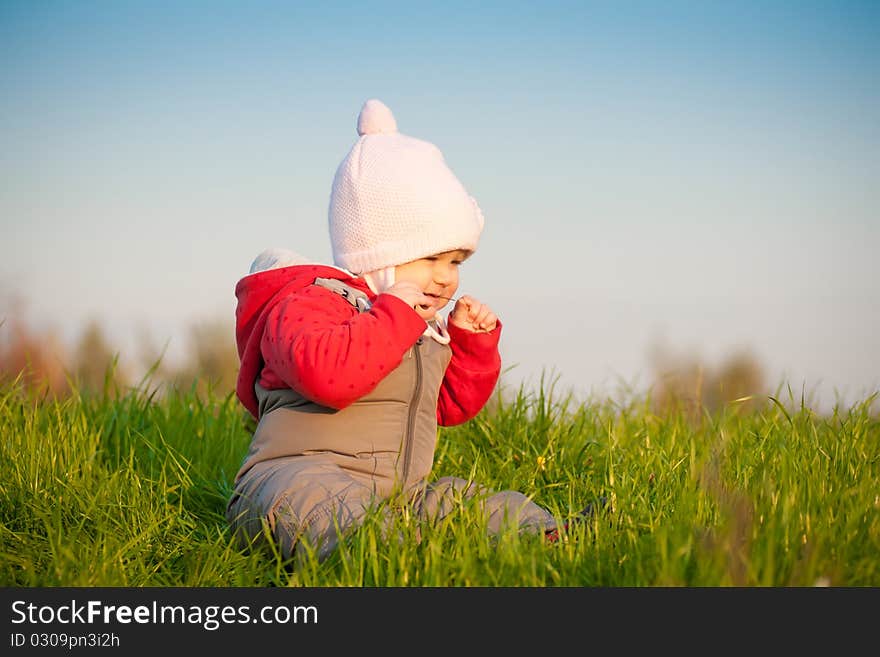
point(257, 294)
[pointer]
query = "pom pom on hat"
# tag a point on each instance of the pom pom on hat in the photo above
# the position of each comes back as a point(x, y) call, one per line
point(395, 200)
point(375, 117)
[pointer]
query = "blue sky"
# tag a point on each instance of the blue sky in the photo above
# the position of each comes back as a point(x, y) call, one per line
point(700, 175)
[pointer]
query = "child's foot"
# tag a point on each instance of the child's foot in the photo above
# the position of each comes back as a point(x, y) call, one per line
point(583, 515)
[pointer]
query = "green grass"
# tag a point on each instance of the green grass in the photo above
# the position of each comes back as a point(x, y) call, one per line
point(130, 489)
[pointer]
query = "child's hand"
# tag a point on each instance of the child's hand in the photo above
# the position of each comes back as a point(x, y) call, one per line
point(473, 315)
point(412, 296)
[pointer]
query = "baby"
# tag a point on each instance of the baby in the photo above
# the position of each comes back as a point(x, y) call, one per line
point(349, 369)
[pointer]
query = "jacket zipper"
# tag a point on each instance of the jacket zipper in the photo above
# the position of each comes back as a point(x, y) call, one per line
point(413, 408)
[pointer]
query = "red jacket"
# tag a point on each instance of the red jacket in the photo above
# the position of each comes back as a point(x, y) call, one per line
point(292, 334)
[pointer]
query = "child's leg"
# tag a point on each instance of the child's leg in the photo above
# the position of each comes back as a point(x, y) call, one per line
point(305, 497)
point(439, 499)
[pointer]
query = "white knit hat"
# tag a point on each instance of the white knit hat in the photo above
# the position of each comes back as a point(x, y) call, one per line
point(394, 199)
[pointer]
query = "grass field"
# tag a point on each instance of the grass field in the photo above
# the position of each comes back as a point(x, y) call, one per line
point(129, 490)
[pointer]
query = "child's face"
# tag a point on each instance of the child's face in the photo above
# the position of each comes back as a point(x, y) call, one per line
point(435, 275)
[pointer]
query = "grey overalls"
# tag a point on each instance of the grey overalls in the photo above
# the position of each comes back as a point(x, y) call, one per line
point(313, 472)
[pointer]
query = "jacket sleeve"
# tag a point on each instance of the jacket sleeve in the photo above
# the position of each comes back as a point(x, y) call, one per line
point(319, 345)
point(471, 376)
